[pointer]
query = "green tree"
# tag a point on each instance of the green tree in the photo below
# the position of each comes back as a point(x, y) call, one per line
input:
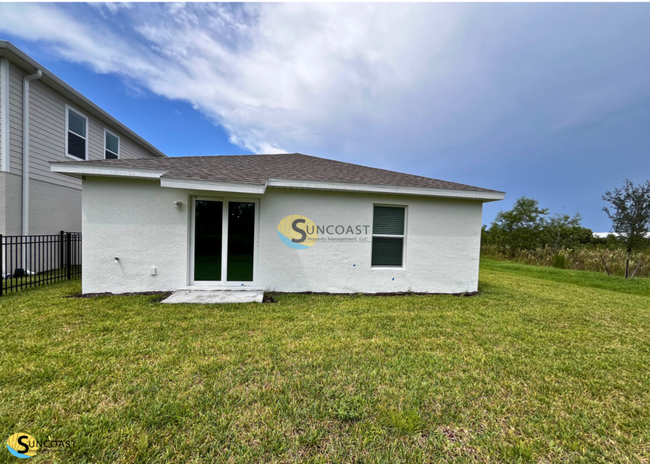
point(630, 216)
point(564, 231)
point(527, 227)
point(520, 227)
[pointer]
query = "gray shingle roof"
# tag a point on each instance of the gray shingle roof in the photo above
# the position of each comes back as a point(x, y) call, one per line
point(257, 169)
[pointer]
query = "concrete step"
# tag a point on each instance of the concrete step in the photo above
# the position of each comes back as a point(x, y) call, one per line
point(211, 296)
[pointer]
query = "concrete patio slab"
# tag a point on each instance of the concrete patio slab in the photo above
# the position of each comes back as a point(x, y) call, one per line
point(204, 296)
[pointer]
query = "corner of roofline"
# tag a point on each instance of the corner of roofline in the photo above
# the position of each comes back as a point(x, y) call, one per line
point(77, 169)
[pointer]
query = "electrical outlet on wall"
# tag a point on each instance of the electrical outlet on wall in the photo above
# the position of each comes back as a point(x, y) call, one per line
point(153, 270)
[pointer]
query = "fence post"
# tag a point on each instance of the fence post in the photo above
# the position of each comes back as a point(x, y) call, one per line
point(69, 254)
point(4, 271)
point(61, 251)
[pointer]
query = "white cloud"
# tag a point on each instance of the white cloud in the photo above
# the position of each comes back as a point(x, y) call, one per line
point(277, 77)
point(340, 79)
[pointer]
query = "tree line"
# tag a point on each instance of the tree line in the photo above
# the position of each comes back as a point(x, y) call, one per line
point(527, 226)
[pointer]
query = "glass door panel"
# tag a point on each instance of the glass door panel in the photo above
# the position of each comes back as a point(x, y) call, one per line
point(208, 227)
point(241, 241)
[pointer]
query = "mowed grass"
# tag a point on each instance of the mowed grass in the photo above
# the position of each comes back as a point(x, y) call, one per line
point(544, 365)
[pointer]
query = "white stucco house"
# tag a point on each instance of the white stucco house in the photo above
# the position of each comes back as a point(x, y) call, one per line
point(289, 223)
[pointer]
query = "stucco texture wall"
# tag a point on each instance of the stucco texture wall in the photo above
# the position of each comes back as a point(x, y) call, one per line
point(136, 221)
point(442, 245)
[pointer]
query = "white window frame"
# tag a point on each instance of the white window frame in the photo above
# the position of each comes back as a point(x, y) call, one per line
point(67, 129)
point(224, 282)
point(119, 144)
point(403, 236)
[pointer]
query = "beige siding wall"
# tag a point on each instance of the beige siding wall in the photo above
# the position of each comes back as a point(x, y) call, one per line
point(55, 200)
point(53, 208)
point(48, 132)
point(15, 119)
point(10, 203)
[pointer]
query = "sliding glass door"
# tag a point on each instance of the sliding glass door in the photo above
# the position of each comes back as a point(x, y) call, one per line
point(224, 236)
point(208, 238)
point(241, 241)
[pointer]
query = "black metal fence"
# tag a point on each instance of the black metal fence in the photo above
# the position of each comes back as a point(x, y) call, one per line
point(33, 260)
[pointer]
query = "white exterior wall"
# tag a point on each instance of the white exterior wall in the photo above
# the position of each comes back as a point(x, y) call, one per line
point(136, 221)
point(442, 245)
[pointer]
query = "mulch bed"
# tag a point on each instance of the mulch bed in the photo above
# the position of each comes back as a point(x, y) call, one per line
point(163, 295)
point(270, 297)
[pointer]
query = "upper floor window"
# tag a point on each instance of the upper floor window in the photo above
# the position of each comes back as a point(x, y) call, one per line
point(388, 234)
point(76, 142)
point(111, 145)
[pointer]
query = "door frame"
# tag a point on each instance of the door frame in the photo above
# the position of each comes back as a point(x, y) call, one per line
point(225, 199)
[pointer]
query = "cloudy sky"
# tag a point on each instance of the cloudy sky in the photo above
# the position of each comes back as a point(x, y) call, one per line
point(550, 101)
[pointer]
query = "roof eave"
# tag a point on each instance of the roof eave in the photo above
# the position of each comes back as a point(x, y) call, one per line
point(84, 169)
point(80, 169)
point(212, 186)
point(484, 196)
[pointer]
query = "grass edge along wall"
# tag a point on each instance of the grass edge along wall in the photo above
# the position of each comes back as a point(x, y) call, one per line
point(141, 224)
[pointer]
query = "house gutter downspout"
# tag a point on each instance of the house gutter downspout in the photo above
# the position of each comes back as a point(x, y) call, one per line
point(4, 112)
point(26, 81)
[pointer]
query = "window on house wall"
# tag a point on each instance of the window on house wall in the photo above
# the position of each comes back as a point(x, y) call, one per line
point(77, 134)
point(111, 145)
point(388, 234)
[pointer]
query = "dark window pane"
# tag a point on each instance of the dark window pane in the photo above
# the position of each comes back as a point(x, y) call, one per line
point(110, 155)
point(388, 220)
point(76, 146)
point(241, 241)
point(76, 123)
point(207, 240)
point(387, 251)
point(112, 143)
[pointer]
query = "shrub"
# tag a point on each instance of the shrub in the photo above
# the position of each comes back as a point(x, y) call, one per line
point(585, 258)
point(559, 261)
point(528, 227)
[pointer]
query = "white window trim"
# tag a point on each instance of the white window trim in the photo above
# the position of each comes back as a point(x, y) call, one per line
point(67, 129)
point(119, 143)
point(403, 236)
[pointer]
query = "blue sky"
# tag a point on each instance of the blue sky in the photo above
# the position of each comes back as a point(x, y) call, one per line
point(550, 101)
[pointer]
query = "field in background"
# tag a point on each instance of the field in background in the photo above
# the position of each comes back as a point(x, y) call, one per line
point(579, 259)
point(545, 365)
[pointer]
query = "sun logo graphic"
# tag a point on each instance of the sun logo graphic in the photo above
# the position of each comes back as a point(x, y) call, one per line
point(22, 445)
point(297, 231)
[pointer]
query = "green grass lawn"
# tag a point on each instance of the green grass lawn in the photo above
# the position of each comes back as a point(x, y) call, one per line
point(544, 365)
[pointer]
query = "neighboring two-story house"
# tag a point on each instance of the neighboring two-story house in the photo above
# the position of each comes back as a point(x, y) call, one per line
point(43, 119)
